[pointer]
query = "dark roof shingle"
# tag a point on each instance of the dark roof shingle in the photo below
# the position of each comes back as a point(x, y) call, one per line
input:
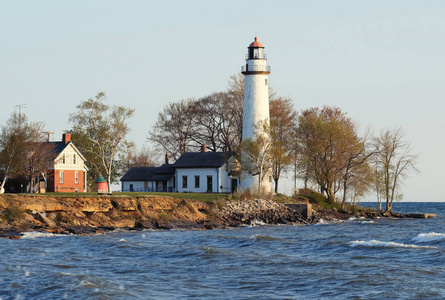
point(202, 159)
point(139, 173)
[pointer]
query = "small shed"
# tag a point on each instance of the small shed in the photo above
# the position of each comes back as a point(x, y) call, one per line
point(102, 185)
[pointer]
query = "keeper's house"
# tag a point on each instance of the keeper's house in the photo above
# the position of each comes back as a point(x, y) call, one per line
point(68, 172)
point(193, 172)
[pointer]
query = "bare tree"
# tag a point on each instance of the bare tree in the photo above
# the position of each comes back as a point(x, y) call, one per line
point(39, 157)
point(173, 129)
point(215, 122)
point(394, 160)
point(207, 116)
point(132, 157)
point(256, 154)
point(105, 129)
point(356, 167)
point(13, 138)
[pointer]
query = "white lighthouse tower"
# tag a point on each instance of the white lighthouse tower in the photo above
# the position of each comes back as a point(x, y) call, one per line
point(256, 106)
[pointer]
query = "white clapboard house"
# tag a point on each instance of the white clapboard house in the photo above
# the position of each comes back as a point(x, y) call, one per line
point(193, 172)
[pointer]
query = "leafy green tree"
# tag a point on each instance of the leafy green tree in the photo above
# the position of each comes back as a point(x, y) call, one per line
point(103, 130)
point(282, 126)
point(328, 144)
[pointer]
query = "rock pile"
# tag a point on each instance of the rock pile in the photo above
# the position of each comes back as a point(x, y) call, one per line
point(260, 211)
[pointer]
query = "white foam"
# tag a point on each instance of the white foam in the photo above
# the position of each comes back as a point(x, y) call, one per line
point(321, 222)
point(257, 223)
point(375, 243)
point(366, 222)
point(36, 234)
point(429, 237)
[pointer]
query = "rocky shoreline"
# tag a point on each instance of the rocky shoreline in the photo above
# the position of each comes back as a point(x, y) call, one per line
point(100, 214)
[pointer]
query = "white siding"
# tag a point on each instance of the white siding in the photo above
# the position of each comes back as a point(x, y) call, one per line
point(221, 182)
point(68, 165)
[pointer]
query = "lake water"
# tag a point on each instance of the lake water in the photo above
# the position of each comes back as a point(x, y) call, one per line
point(356, 259)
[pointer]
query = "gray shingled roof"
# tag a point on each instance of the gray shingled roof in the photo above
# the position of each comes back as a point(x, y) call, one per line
point(187, 160)
point(59, 146)
point(139, 173)
point(202, 159)
point(164, 172)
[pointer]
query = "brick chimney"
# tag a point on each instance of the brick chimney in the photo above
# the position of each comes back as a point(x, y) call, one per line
point(203, 148)
point(66, 137)
point(166, 158)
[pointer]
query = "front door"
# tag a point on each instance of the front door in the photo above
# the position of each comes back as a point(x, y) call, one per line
point(209, 184)
point(234, 185)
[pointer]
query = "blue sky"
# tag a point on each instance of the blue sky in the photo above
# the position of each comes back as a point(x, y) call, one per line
point(382, 62)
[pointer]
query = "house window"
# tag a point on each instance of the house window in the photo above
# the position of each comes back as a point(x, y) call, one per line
point(196, 181)
point(76, 177)
point(63, 159)
point(74, 159)
point(184, 181)
point(61, 176)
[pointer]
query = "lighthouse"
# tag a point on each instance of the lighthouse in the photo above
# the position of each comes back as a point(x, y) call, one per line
point(255, 109)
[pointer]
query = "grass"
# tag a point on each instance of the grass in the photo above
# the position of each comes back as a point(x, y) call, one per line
point(204, 197)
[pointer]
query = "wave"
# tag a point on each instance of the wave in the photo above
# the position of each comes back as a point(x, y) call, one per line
point(379, 244)
point(210, 250)
point(257, 223)
point(429, 237)
point(36, 234)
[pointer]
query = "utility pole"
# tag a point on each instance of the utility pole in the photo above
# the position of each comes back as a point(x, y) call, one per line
point(20, 106)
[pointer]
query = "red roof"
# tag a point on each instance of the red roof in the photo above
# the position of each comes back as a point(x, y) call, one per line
point(256, 44)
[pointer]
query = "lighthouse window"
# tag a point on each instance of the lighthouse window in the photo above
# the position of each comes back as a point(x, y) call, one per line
point(265, 81)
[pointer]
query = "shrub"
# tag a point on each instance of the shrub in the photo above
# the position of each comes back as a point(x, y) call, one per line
point(243, 195)
point(165, 216)
point(13, 213)
point(217, 204)
point(280, 198)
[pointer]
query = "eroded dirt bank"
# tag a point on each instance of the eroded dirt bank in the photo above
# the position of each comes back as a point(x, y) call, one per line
point(89, 215)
